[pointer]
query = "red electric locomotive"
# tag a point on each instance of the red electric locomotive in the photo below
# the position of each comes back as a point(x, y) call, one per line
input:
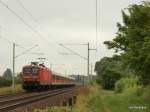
point(37, 76)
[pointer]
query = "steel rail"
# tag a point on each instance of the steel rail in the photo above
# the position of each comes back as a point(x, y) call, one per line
point(25, 96)
point(11, 94)
point(25, 101)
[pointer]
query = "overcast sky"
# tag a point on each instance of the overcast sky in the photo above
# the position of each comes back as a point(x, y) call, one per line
point(54, 22)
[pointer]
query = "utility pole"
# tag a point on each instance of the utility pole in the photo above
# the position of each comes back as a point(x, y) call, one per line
point(91, 71)
point(83, 80)
point(88, 55)
point(13, 75)
point(88, 61)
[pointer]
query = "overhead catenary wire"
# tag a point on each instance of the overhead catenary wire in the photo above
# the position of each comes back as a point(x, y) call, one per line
point(27, 11)
point(19, 17)
point(23, 21)
point(29, 26)
point(26, 51)
point(3, 37)
point(9, 41)
point(18, 45)
point(73, 52)
point(35, 20)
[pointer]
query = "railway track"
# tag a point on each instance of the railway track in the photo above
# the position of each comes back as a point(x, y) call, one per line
point(25, 99)
point(11, 94)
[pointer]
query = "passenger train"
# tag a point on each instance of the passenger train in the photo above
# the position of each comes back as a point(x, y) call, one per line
point(38, 76)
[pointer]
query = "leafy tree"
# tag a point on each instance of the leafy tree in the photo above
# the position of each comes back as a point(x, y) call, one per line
point(108, 71)
point(133, 40)
point(7, 75)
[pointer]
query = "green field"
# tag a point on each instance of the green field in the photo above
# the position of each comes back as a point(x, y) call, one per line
point(9, 89)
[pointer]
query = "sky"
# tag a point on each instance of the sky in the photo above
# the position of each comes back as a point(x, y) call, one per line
point(48, 23)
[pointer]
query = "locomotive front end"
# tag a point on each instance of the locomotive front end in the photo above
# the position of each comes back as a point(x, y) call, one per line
point(30, 77)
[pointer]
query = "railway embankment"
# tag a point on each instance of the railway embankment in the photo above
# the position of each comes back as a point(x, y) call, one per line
point(28, 101)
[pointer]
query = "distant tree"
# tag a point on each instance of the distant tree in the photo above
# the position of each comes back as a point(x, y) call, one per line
point(7, 75)
point(133, 40)
point(4, 82)
point(108, 71)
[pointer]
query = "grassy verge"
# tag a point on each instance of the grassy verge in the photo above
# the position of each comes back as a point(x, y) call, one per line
point(89, 101)
point(5, 90)
point(132, 100)
point(95, 99)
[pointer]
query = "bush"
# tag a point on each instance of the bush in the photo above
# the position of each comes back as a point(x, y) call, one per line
point(98, 79)
point(124, 83)
point(109, 79)
point(4, 82)
point(93, 83)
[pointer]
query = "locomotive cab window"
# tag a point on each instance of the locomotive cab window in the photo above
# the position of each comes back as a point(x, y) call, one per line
point(30, 71)
point(35, 70)
point(27, 70)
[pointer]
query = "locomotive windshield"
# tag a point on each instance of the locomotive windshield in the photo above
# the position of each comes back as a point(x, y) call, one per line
point(30, 71)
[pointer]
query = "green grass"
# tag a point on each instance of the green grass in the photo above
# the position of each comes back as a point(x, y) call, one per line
point(4, 90)
point(99, 100)
point(131, 97)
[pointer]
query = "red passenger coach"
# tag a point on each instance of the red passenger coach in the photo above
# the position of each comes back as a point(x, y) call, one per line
point(59, 79)
point(37, 76)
